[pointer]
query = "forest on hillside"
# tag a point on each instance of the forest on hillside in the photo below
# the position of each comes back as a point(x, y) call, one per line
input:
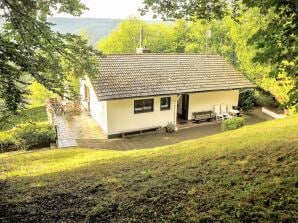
point(236, 39)
point(258, 37)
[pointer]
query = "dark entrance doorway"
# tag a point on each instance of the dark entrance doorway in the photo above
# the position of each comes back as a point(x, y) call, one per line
point(185, 104)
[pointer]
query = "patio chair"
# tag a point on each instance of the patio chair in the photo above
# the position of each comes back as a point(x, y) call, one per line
point(218, 115)
point(55, 105)
point(77, 107)
point(224, 111)
point(53, 100)
point(68, 108)
point(233, 111)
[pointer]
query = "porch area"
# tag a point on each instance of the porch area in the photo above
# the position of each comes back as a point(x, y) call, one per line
point(72, 128)
point(81, 130)
point(251, 117)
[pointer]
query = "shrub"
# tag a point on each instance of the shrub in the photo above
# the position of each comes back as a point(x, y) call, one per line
point(233, 123)
point(37, 114)
point(293, 110)
point(7, 142)
point(34, 135)
point(264, 99)
point(246, 99)
point(171, 127)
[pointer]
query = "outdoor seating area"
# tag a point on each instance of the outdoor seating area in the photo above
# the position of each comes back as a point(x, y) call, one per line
point(223, 111)
point(82, 130)
point(219, 113)
point(203, 116)
point(63, 107)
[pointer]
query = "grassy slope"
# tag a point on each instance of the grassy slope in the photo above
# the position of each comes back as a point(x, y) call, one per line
point(245, 175)
point(37, 114)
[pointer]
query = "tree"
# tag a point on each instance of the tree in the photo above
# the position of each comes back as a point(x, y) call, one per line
point(196, 9)
point(179, 36)
point(29, 48)
point(278, 44)
point(158, 37)
point(38, 94)
point(126, 38)
point(277, 41)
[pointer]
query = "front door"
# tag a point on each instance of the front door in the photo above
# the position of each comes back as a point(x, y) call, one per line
point(185, 103)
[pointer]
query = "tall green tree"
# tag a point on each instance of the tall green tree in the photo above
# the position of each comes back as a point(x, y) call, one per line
point(277, 41)
point(126, 37)
point(179, 36)
point(195, 9)
point(38, 94)
point(30, 48)
point(278, 44)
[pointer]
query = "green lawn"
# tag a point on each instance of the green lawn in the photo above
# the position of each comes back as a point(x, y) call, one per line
point(36, 114)
point(246, 175)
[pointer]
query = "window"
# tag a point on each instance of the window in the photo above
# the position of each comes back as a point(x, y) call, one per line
point(145, 105)
point(165, 103)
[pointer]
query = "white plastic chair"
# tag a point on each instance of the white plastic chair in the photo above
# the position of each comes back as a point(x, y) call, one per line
point(224, 111)
point(218, 115)
point(233, 112)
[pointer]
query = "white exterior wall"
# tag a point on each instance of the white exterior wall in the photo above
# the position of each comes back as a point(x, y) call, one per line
point(98, 109)
point(205, 101)
point(117, 116)
point(121, 116)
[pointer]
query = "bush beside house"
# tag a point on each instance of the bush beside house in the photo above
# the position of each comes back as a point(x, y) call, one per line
point(246, 99)
point(233, 123)
point(171, 127)
point(27, 129)
point(27, 136)
point(35, 114)
point(7, 142)
point(34, 135)
point(265, 99)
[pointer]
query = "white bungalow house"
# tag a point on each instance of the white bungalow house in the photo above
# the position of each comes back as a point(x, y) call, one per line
point(135, 92)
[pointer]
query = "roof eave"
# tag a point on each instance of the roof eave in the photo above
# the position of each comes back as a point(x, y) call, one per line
point(176, 93)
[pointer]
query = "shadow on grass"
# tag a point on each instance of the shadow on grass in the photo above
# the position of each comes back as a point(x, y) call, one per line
point(246, 175)
point(236, 185)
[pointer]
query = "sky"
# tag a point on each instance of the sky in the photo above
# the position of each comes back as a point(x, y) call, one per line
point(114, 9)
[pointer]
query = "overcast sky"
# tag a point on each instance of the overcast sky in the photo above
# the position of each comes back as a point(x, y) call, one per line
point(115, 9)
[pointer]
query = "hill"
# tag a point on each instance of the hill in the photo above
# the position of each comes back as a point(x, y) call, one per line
point(246, 175)
point(95, 27)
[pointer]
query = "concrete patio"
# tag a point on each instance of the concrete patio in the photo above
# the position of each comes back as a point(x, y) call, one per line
point(71, 128)
point(83, 131)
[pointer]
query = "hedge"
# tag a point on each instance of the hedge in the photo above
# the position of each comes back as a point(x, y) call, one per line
point(34, 135)
point(27, 136)
point(7, 142)
point(233, 123)
point(246, 99)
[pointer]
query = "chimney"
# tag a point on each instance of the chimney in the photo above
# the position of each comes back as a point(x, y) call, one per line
point(142, 49)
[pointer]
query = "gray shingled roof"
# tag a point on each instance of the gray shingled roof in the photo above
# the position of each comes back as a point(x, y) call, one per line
point(141, 75)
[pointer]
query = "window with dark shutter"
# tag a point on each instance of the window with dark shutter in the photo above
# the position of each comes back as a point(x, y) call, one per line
point(145, 105)
point(165, 103)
